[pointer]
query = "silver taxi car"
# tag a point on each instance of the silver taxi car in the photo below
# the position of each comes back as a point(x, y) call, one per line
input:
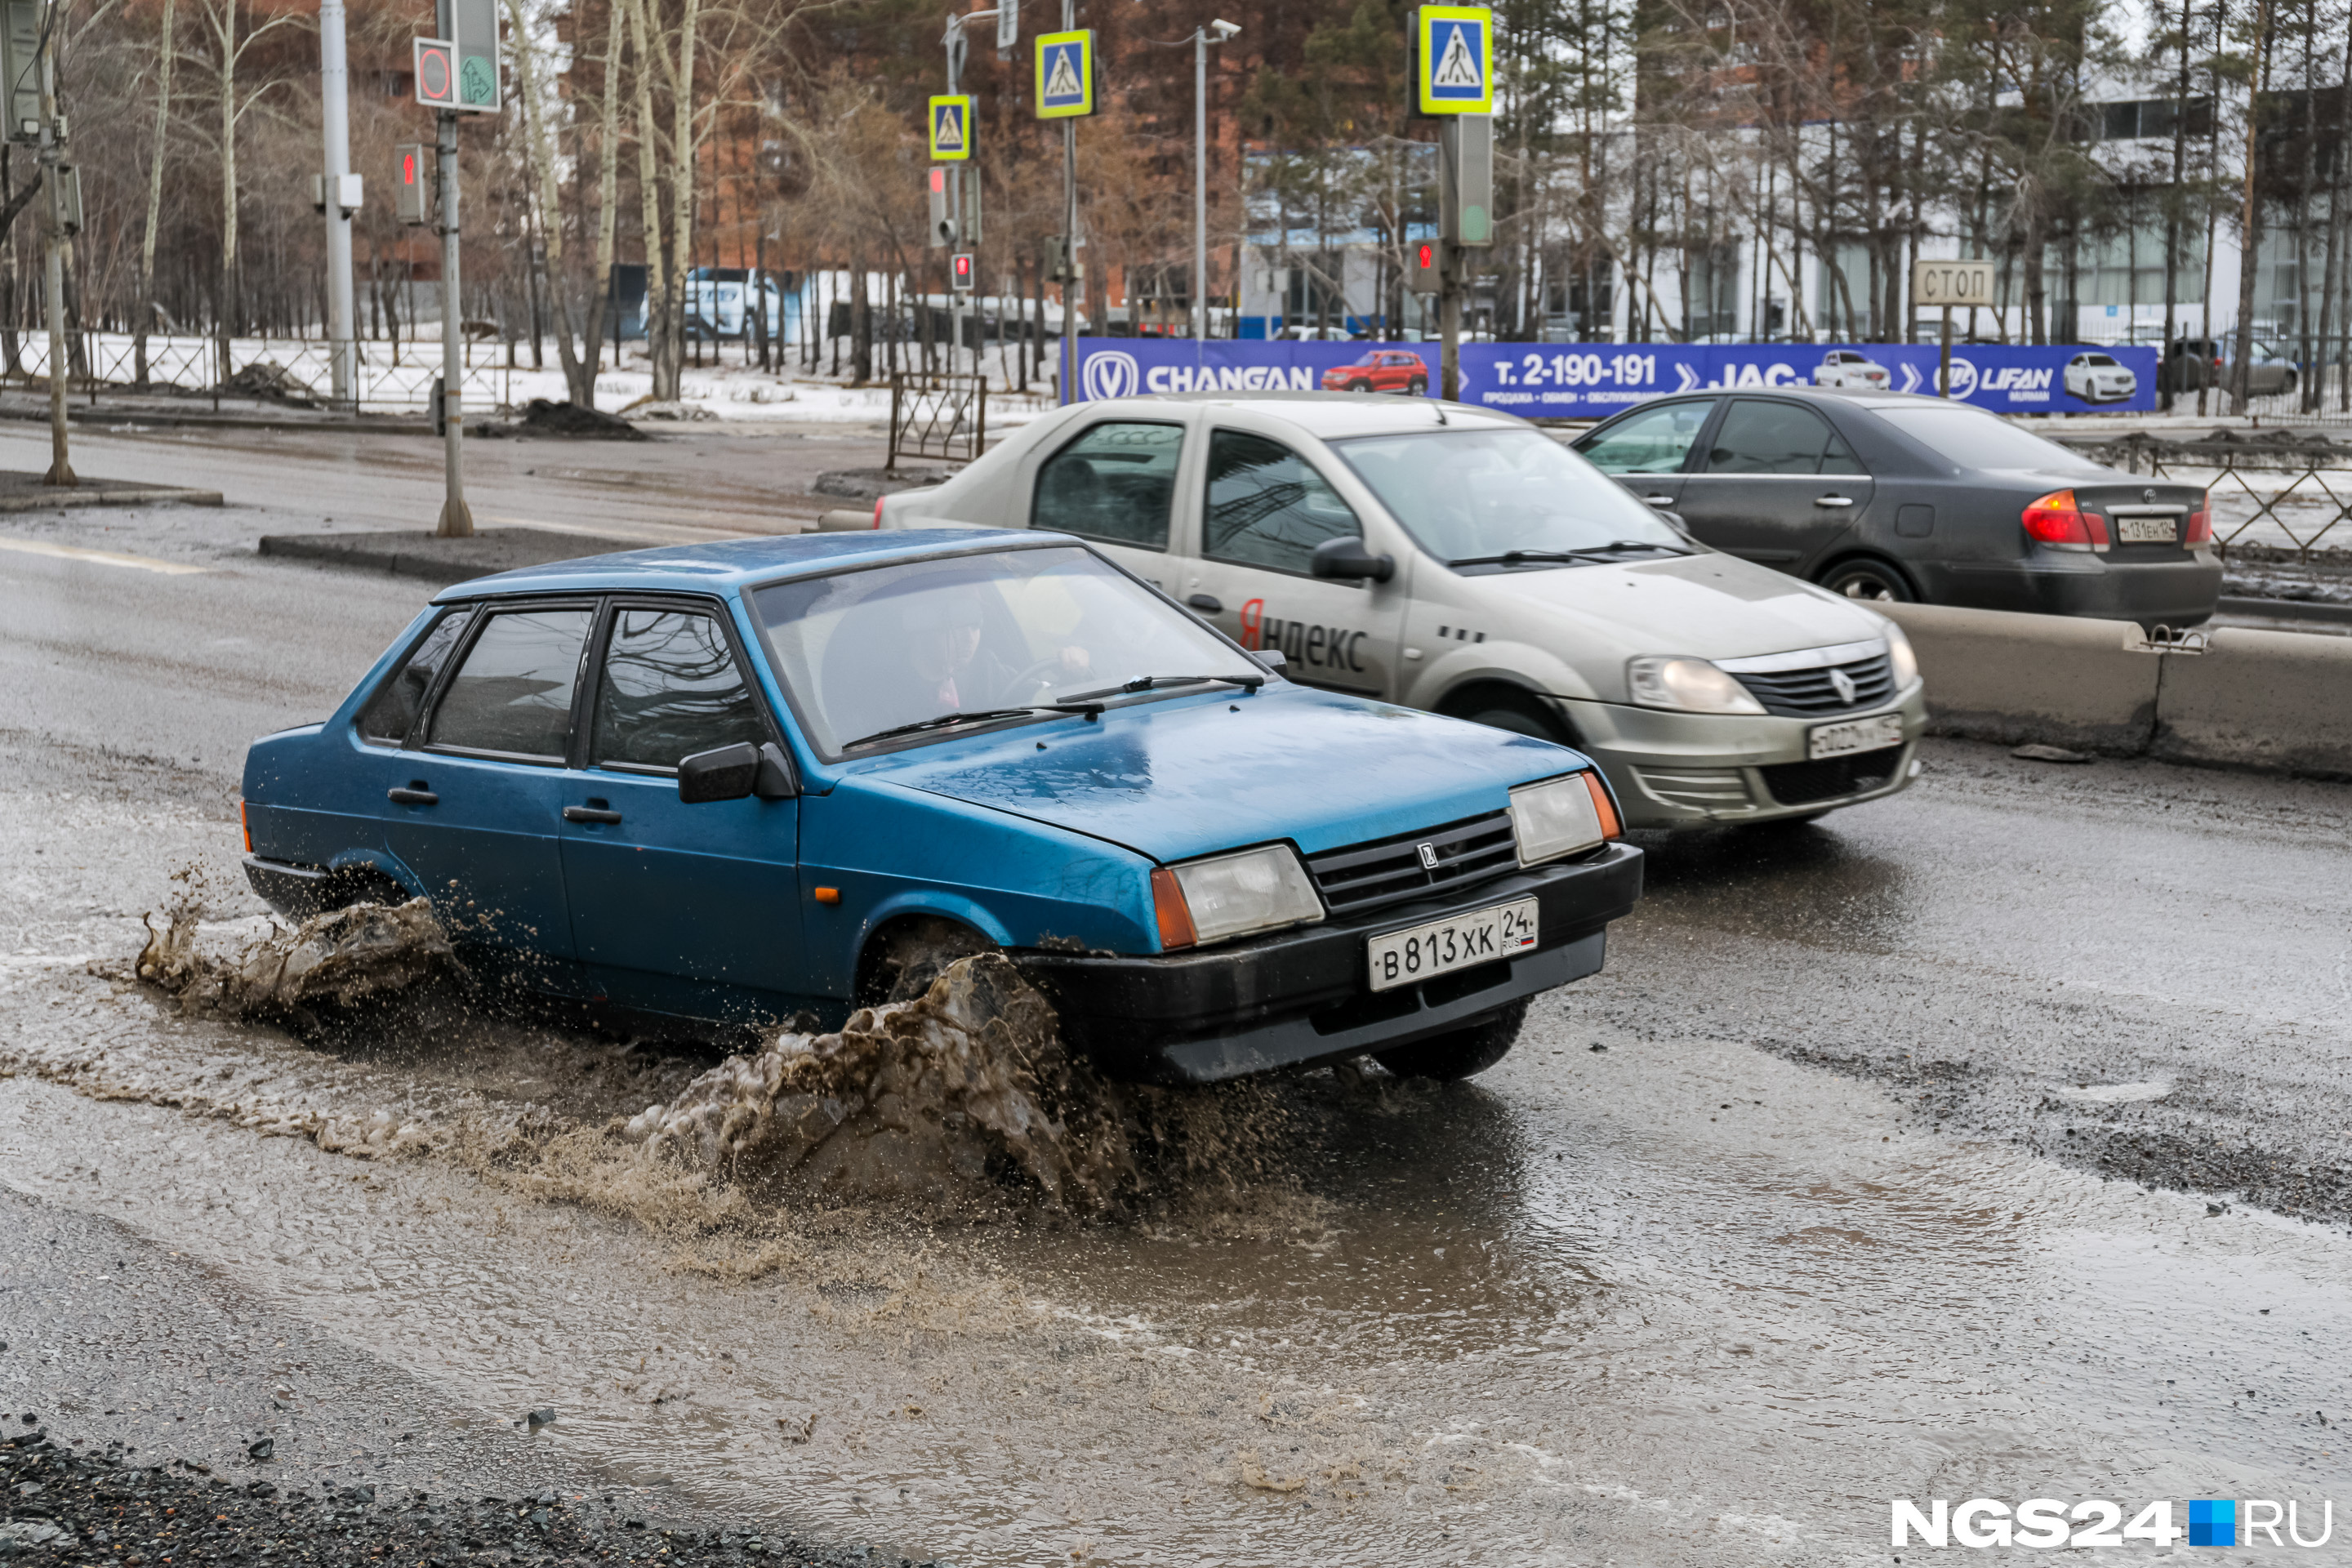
point(1461, 560)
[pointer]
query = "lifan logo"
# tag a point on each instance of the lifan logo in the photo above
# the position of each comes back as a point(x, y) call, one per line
point(1982, 1522)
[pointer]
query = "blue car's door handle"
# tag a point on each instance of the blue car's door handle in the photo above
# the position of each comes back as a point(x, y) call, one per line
point(414, 795)
point(589, 814)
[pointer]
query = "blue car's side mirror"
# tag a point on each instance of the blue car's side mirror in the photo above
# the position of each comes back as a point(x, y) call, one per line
point(731, 773)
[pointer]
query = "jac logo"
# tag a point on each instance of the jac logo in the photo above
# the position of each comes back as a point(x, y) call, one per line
point(1111, 372)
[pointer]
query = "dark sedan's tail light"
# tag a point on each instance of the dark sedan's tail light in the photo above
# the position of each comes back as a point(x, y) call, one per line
point(2200, 522)
point(2056, 520)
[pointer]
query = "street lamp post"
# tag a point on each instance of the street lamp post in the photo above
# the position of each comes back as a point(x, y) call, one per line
point(1202, 38)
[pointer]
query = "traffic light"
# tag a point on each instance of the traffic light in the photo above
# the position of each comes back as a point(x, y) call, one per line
point(1425, 270)
point(959, 272)
point(1465, 180)
point(943, 228)
point(414, 182)
point(20, 69)
point(436, 73)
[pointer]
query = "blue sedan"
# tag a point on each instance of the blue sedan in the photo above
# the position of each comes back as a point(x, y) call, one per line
point(734, 782)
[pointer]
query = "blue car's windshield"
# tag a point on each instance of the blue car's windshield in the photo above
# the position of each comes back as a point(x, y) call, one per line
point(867, 651)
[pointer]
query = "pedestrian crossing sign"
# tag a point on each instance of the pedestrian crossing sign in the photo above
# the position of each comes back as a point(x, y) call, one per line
point(1065, 75)
point(950, 129)
point(1454, 60)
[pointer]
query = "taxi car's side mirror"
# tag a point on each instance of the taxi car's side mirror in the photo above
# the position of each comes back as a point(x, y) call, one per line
point(1348, 560)
point(731, 773)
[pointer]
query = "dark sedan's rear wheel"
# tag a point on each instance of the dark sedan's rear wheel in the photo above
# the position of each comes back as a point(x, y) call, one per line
point(1461, 1052)
point(1866, 579)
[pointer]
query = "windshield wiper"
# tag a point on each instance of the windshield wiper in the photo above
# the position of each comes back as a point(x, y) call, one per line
point(1154, 683)
point(979, 716)
point(1512, 557)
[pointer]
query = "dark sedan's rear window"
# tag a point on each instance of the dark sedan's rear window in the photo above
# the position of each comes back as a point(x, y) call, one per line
point(1975, 439)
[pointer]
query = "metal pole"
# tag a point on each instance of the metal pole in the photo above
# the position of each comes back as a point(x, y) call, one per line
point(456, 518)
point(53, 275)
point(1069, 230)
point(1200, 185)
point(1944, 383)
point(1453, 260)
point(334, 119)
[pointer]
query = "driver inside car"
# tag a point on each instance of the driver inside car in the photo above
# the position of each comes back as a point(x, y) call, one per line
point(964, 663)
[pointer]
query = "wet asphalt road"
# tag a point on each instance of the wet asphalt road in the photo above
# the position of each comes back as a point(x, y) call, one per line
point(1990, 1141)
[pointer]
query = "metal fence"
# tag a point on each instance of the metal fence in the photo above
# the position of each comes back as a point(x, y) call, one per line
point(939, 416)
point(2278, 488)
point(291, 370)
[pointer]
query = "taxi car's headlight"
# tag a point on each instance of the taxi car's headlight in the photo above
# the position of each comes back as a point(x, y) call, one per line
point(1692, 684)
point(1221, 896)
point(1561, 817)
point(1899, 655)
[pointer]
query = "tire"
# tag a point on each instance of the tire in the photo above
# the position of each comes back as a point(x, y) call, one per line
point(1360, 386)
point(1519, 716)
point(1866, 578)
point(1460, 1053)
point(1417, 387)
point(901, 963)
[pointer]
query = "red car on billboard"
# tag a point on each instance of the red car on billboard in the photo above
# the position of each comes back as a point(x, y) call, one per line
point(1383, 370)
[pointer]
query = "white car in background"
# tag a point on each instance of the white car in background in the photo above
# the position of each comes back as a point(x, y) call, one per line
point(2098, 378)
point(1844, 367)
point(1459, 559)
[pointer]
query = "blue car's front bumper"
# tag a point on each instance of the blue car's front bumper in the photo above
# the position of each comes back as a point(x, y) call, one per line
point(1303, 996)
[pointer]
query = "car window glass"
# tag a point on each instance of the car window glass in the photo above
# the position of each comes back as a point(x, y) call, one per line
point(671, 689)
point(1474, 494)
point(1972, 438)
point(1772, 438)
point(392, 714)
point(1654, 441)
point(862, 651)
point(1266, 507)
point(513, 692)
point(1116, 482)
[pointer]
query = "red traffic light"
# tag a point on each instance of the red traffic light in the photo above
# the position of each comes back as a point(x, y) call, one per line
point(939, 182)
point(960, 268)
point(408, 168)
point(1428, 256)
point(436, 73)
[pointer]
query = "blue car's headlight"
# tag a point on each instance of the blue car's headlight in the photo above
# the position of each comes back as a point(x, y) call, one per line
point(1561, 817)
point(1221, 896)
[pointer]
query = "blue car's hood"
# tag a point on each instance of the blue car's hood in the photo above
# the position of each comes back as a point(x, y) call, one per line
point(1191, 775)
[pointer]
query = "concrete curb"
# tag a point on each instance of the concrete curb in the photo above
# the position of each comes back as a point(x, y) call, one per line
point(2234, 697)
point(103, 492)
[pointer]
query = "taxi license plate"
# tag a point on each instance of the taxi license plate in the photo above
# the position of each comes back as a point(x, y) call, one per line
point(2145, 529)
point(1481, 936)
point(1853, 735)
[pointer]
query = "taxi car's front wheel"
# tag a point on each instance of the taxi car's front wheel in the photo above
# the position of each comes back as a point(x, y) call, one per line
point(1460, 1053)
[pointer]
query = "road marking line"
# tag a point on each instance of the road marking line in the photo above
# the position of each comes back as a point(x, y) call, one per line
point(102, 557)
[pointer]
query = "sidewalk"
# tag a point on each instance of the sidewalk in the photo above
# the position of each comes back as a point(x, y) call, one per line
point(24, 492)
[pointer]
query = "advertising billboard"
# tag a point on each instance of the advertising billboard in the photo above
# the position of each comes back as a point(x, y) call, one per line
point(1592, 380)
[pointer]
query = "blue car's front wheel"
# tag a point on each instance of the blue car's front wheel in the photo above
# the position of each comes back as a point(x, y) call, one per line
point(1459, 1053)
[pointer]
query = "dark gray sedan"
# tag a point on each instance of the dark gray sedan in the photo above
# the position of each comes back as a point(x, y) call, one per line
point(1883, 495)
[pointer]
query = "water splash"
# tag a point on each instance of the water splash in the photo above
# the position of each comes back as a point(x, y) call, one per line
point(340, 958)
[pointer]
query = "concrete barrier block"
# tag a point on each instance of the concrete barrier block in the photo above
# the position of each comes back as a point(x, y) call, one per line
point(1996, 675)
point(2258, 698)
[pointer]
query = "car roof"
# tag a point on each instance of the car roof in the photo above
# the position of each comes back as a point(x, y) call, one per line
point(1329, 414)
point(723, 565)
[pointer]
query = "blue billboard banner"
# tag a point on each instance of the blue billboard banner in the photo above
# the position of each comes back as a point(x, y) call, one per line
point(1592, 380)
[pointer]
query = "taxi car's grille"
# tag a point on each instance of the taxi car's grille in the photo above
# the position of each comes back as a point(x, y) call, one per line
point(1794, 693)
point(1391, 871)
point(1797, 784)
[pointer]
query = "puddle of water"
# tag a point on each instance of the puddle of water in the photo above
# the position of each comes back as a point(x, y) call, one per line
point(1558, 1317)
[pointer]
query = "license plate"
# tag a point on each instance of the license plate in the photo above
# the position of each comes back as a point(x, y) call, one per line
point(1481, 936)
point(2145, 529)
point(1853, 735)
